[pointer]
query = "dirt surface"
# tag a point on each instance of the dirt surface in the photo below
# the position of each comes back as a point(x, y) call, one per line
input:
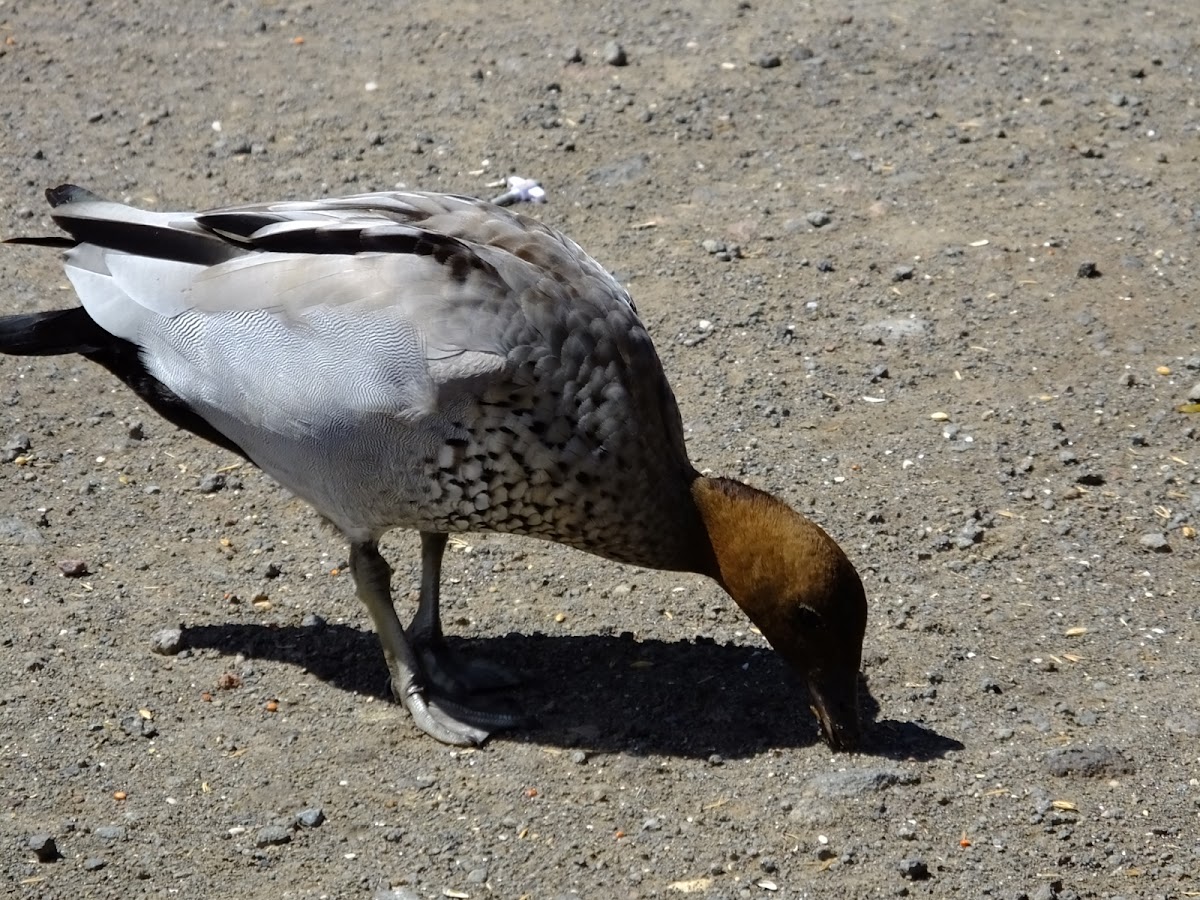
point(925, 270)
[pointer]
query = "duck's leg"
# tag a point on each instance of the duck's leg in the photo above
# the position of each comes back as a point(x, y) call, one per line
point(448, 674)
point(446, 722)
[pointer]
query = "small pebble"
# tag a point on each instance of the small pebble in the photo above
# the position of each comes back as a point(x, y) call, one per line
point(18, 445)
point(818, 218)
point(136, 725)
point(73, 568)
point(212, 483)
point(311, 817)
point(914, 869)
point(167, 641)
point(1088, 269)
point(477, 876)
point(722, 251)
point(614, 54)
point(903, 273)
point(272, 836)
point(968, 536)
point(94, 864)
point(1089, 762)
point(43, 847)
point(579, 757)
point(768, 61)
point(1156, 541)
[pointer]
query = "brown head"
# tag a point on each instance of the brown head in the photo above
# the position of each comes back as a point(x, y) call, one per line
point(798, 587)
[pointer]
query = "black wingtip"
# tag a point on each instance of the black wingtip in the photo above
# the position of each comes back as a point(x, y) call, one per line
point(62, 243)
point(68, 193)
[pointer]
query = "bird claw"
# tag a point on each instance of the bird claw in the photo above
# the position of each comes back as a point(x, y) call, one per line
point(452, 723)
point(439, 724)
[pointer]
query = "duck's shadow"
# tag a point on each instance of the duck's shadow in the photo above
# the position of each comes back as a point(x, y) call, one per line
point(605, 693)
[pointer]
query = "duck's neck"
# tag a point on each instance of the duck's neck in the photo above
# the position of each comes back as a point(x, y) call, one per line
point(711, 526)
point(768, 557)
point(747, 530)
point(687, 546)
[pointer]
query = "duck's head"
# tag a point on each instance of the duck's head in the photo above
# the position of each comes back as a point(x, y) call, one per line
point(798, 587)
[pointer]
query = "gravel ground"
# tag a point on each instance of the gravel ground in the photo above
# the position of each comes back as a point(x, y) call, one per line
point(924, 269)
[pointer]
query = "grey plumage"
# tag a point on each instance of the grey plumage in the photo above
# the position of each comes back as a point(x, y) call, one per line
point(435, 362)
point(404, 360)
point(398, 360)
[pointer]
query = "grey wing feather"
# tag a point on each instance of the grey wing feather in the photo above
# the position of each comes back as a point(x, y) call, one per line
point(295, 317)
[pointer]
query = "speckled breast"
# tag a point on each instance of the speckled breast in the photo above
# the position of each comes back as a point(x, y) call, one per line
point(581, 444)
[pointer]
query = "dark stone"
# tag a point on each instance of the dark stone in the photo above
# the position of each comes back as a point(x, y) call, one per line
point(43, 847)
point(914, 869)
point(1090, 762)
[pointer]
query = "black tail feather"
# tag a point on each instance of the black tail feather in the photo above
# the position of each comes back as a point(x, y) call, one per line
point(64, 331)
point(63, 243)
point(141, 239)
point(127, 233)
point(53, 333)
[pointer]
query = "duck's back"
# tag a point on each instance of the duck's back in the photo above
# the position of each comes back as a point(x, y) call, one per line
point(401, 359)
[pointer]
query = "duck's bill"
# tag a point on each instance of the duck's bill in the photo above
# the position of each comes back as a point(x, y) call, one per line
point(836, 708)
